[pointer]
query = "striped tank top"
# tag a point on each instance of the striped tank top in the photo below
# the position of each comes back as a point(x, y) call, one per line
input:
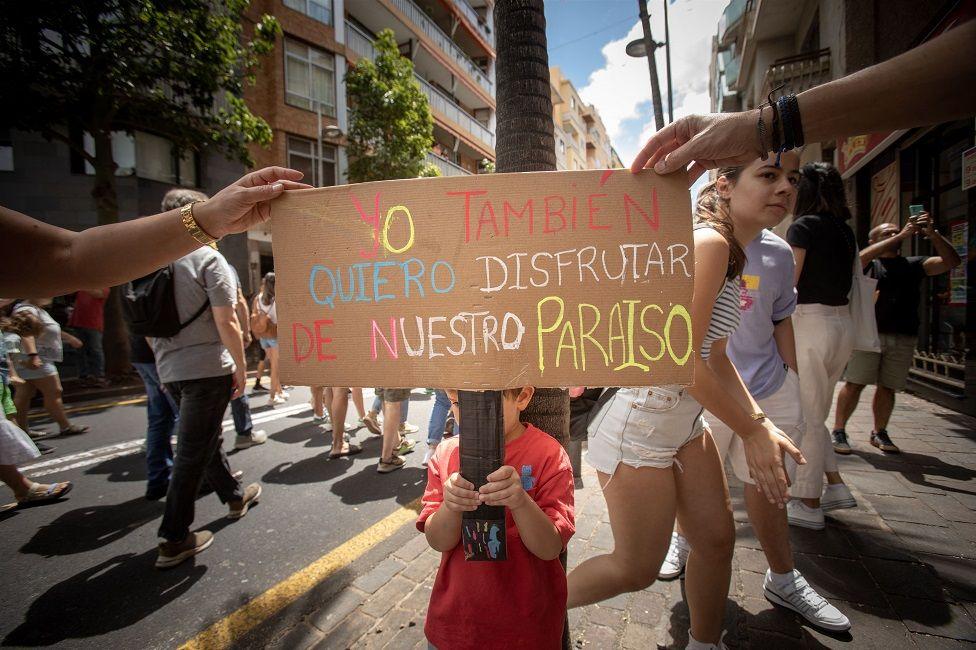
point(725, 311)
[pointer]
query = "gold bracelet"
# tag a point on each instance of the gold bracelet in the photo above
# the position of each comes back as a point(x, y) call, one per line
point(192, 227)
point(758, 416)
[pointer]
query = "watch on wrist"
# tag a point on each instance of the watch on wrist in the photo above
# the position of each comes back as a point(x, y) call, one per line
point(192, 227)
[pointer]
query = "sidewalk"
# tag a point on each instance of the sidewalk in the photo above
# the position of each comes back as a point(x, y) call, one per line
point(902, 565)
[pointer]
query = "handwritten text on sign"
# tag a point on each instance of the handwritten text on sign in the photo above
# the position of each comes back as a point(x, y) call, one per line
point(486, 282)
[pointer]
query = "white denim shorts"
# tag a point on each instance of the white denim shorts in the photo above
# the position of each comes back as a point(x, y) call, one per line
point(643, 427)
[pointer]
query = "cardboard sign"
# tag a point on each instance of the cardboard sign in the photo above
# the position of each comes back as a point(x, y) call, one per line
point(487, 282)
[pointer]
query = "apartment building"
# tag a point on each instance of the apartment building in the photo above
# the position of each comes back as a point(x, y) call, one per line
point(788, 46)
point(301, 93)
point(581, 138)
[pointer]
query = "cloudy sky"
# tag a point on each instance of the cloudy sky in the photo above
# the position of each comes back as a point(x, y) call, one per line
point(587, 38)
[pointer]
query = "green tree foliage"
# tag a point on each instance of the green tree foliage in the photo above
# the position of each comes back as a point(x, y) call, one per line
point(391, 129)
point(176, 68)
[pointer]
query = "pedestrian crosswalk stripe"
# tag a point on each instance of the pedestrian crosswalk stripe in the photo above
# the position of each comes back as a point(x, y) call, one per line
point(230, 629)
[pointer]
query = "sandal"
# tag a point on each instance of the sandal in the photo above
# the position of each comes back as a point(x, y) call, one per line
point(40, 493)
point(391, 465)
point(75, 429)
point(348, 449)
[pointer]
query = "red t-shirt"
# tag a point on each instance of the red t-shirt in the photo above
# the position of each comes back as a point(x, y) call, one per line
point(515, 603)
point(89, 311)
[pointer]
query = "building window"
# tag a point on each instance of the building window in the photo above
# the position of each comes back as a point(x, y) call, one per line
point(320, 10)
point(301, 156)
point(562, 147)
point(6, 151)
point(572, 103)
point(145, 155)
point(309, 78)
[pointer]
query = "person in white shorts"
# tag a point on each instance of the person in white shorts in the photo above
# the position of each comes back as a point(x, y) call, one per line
point(763, 351)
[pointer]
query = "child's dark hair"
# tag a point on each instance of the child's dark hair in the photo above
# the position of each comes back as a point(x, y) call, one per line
point(821, 191)
point(712, 208)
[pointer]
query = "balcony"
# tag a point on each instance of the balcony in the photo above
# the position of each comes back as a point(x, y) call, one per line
point(797, 73)
point(446, 166)
point(444, 105)
point(362, 45)
point(477, 22)
point(731, 20)
point(417, 16)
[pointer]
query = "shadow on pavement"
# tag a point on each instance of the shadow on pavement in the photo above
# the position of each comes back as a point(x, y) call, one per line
point(404, 484)
point(317, 469)
point(131, 467)
point(109, 596)
point(91, 527)
point(914, 467)
point(310, 434)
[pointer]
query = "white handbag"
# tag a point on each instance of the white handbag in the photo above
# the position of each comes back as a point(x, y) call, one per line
point(861, 302)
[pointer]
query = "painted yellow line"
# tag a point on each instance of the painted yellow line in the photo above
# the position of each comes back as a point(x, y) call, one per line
point(231, 628)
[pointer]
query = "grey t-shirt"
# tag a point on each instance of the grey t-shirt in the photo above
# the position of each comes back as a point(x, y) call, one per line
point(767, 297)
point(196, 352)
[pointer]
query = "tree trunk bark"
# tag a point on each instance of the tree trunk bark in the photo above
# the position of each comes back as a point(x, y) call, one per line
point(525, 143)
point(115, 339)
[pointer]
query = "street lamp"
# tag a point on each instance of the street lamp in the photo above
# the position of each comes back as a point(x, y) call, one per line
point(639, 48)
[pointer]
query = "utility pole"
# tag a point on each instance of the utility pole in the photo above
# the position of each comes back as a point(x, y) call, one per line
point(667, 55)
point(649, 46)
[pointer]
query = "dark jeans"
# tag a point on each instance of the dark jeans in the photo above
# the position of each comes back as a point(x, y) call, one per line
point(199, 452)
point(240, 409)
point(92, 357)
point(161, 412)
point(438, 417)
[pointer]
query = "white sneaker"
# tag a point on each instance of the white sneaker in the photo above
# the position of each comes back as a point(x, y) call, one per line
point(674, 563)
point(803, 599)
point(427, 454)
point(278, 399)
point(837, 496)
point(320, 419)
point(406, 427)
point(798, 514)
point(695, 644)
point(258, 437)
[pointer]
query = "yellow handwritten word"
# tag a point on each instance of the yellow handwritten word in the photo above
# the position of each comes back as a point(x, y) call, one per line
point(617, 340)
point(386, 229)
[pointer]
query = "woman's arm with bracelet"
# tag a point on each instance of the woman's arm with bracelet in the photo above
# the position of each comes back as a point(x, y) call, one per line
point(931, 83)
point(44, 260)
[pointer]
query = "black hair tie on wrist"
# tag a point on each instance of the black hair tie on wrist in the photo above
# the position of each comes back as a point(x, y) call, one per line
point(789, 109)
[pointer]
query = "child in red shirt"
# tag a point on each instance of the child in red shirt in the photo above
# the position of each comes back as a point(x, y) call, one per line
point(515, 603)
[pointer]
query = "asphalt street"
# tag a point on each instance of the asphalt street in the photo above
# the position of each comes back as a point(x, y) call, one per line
point(79, 573)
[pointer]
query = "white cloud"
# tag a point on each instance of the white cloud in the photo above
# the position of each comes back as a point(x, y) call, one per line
point(621, 89)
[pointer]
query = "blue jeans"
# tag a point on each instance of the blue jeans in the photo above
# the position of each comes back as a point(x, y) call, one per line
point(162, 415)
point(438, 417)
point(92, 357)
point(240, 409)
point(377, 407)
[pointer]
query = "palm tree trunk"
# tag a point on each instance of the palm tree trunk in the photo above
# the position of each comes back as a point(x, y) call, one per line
point(525, 143)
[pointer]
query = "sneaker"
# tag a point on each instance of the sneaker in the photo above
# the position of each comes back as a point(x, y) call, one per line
point(258, 437)
point(173, 553)
point(881, 440)
point(405, 447)
point(372, 423)
point(391, 465)
point(695, 644)
point(674, 563)
point(800, 597)
point(259, 388)
point(431, 448)
point(320, 420)
point(841, 446)
point(837, 496)
point(406, 427)
point(239, 508)
point(278, 399)
point(799, 514)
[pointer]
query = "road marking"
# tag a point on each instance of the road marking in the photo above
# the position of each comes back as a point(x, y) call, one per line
point(234, 626)
point(117, 450)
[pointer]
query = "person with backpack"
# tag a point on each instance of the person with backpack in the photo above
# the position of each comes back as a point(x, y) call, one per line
point(202, 366)
point(264, 325)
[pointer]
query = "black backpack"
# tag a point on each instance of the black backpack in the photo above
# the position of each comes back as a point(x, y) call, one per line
point(149, 305)
point(584, 408)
